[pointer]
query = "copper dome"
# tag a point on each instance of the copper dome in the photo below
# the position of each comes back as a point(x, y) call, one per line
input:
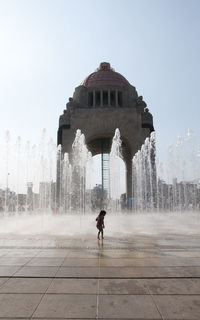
point(105, 76)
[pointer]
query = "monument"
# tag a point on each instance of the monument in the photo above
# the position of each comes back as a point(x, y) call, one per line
point(104, 101)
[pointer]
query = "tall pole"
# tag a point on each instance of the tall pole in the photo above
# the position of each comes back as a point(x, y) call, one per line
point(102, 173)
point(6, 202)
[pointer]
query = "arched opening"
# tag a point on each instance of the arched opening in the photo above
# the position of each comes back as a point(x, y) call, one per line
point(121, 171)
point(108, 175)
point(96, 176)
point(113, 188)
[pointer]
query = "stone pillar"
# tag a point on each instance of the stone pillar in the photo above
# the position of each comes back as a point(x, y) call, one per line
point(109, 98)
point(101, 98)
point(94, 101)
point(116, 98)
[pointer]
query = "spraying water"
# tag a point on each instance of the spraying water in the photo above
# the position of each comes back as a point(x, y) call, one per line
point(157, 187)
point(115, 175)
point(71, 177)
point(176, 194)
point(145, 177)
point(43, 179)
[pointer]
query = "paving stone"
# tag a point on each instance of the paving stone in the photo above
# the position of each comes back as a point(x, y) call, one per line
point(66, 306)
point(121, 286)
point(129, 254)
point(41, 261)
point(3, 280)
point(25, 285)
point(172, 286)
point(193, 271)
point(22, 252)
point(8, 271)
point(179, 307)
point(127, 306)
point(119, 262)
point(53, 253)
point(114, 254)
point(14, 261)
point(79, 272)
point(3, 252)
point(84, 254)
point(70, 262)
point(18, 305)
point(120, 297)
point(184, 254)
point(144, 262)
point(37, 272)
point(140, 272)
point(87, 286)
point(184, 262)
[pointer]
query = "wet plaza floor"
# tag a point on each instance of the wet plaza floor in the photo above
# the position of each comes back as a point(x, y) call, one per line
point(134, 277)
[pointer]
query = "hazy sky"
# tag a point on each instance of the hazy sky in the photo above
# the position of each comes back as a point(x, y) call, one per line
point(48, 47)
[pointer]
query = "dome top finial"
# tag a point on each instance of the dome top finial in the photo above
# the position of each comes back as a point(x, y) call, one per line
point(104, 66)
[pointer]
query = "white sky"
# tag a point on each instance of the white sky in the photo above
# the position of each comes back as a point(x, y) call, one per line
point(47, 47)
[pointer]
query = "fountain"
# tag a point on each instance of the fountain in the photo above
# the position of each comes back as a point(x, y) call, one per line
point(33, 201)
point(144, 176)
point(177, 189)
point(30, 184)
point(71, 177)
point(114, 169)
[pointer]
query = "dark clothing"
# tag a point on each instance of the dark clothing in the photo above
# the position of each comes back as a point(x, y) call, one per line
point(100, 222)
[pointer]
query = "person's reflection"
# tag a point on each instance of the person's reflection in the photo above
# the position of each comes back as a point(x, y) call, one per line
point(100, 247)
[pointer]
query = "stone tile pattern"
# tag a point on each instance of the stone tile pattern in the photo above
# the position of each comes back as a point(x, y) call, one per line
point(135, 278)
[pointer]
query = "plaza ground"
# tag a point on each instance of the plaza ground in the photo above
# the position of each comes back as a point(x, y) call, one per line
point(125, 277)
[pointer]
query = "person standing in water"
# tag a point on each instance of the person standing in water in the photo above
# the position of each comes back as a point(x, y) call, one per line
point(100, 223)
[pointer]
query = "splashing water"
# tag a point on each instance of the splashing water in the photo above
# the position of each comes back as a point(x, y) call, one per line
point(114, 168)
point(29, 184)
